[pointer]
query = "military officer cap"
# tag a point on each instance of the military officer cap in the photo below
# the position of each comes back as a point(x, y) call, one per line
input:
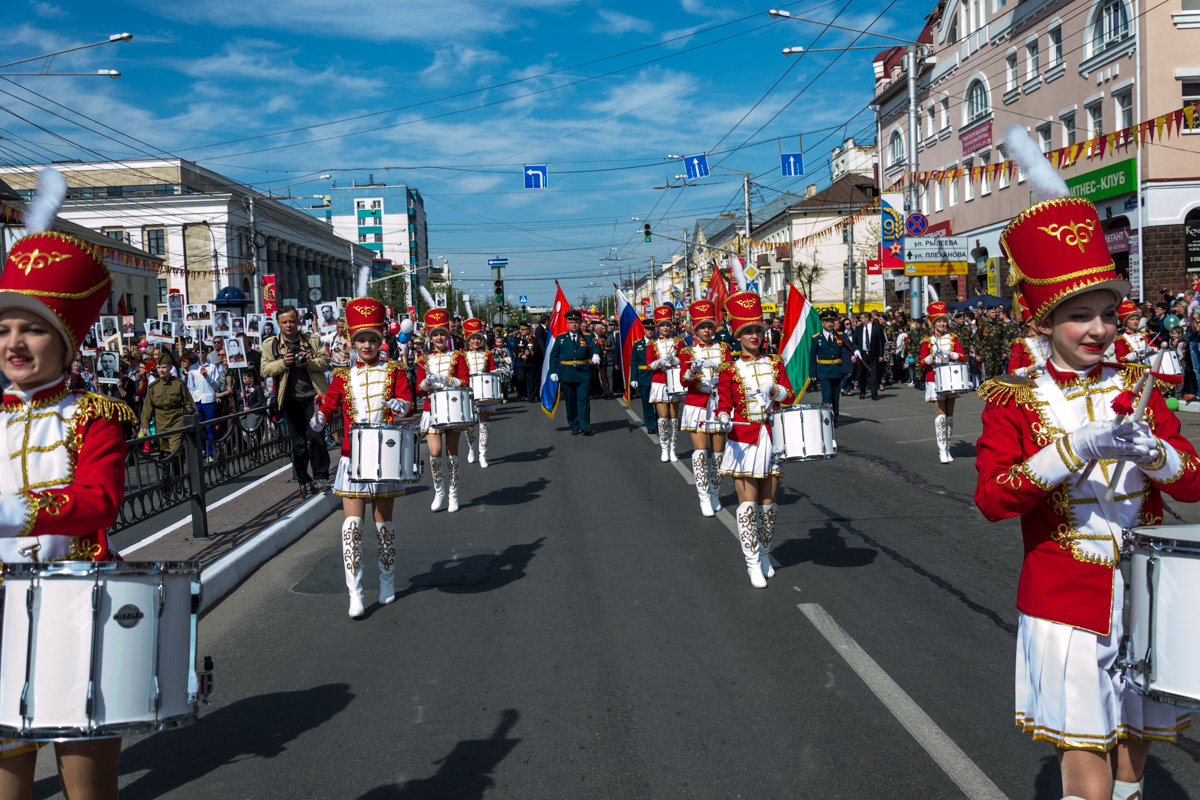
point(164, 358)
point(574, 313)
point(829, 313)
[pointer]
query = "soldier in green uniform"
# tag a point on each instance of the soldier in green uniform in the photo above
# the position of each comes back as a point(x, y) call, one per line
point(826, 360)
point(166, 401)
point(993, 343)
point(571, 358)
point(639, 381)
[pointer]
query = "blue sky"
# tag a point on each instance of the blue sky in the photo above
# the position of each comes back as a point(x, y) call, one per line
point(454, 97)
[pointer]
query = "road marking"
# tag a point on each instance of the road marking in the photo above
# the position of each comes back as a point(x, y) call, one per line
point(156, 536)
point(940, 747)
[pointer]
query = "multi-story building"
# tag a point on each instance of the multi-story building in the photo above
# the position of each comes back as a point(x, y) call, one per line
point(1068, 71)
point(209, 231)
point(389, 220)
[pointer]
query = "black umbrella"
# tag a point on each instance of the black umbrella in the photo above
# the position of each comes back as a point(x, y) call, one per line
point(981, 301)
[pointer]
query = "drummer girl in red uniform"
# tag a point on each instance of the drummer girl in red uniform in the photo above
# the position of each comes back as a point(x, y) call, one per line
point(699, 366)
point(479, 359)
point(59, 504)
point(1050, 445)
point(748, 388)
point(1131, 345)
point(941, 347)
point(373, 390)
point(438, 368)
point(1029, 353)
point(661, 355)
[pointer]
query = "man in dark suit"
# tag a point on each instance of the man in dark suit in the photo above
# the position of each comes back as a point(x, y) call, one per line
point(572, 357)
point(826, 360)
point(774, 335)
point(868, 351)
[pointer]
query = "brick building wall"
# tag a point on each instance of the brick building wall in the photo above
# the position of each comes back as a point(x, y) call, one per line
point(1162, 261)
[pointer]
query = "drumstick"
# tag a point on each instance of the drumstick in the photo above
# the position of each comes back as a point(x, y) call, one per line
point(1137, 390)
point(1139, 412)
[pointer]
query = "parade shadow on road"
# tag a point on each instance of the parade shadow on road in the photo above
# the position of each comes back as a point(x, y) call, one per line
point(524, 456)
point(254, 727)
point(463, 774)
point(824, 547)
point(1160, 783)
point(513, 495)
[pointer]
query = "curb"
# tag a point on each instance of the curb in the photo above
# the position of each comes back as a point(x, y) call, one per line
point(226, 574)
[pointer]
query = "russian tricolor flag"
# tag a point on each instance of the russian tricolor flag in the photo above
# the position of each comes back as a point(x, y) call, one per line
point(558, 324)
point(629, 330)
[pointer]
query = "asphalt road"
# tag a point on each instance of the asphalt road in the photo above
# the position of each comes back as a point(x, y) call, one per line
point(578, 630)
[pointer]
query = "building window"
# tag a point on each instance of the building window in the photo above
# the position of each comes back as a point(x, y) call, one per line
point(1011, 72)
point(1111, 25)
point(1095, 118)
point(952, 192)
point(968, 185)
point(1002, 182)
point(937, 195)
point(379, 238)
point(1056, 51)
point(895, 149)
point(114, 233)
point(360, 205)
point(1033, 66)
point(985, 180)
point(952, 34)
point(362, 238)
point(155, 241)
point(930, 124)
point(162, 295)
point(376, 205)
point(1124, 108)
point(977, 102)
point(1068, 124)
point(1044, 138)
point(1191, 96)
point(945, 113)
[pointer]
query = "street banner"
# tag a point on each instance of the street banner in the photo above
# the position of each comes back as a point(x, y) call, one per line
point(629, 331)
point(800, 324)
point(268, 295)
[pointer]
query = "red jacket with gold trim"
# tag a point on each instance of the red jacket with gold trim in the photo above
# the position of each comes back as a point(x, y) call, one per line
point(448, 364)
point(717, 351)
point(733, 399)
point(361, 391)
point(656, 350)
point(927, 348)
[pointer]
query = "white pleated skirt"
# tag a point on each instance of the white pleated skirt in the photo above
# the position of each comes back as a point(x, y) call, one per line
point(756, 460)
point(1070, 692)
point(693, 417)
point(658, 394)
point(345, 486)
point(930, 393)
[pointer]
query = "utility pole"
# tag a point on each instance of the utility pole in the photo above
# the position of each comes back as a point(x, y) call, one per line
point(848, 238)
point(915, 293)
point(746, 215)
point(255, 283)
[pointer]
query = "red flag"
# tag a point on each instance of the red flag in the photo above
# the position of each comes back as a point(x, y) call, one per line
point(718, 293)
point(121, 308)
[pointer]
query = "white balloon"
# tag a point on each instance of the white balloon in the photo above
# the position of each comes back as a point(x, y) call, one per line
point(406, 326)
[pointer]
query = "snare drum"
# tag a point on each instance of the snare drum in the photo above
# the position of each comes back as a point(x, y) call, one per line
point(951, 379)
point(451, 409)
point(803, 433)
point(95, 649)
point(1171, 365)
point(382, 453)
point(485, 388)
point(675, 388)
point(1162, 632)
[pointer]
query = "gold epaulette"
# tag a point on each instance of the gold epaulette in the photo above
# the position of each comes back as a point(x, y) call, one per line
point(340, 372)
point(96, 406)
point(1006, 388)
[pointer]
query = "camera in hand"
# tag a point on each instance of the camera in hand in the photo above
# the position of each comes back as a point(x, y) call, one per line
point(297, 351)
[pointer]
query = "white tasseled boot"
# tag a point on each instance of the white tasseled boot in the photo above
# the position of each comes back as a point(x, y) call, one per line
point(352, 563)
point(470, 437)
point(674, 436)
point(439, 484)
point(747, 524)
point(714, 481)
point(949, 436)
point(939, 433)
point(1124, 790)
point(453, 504)
point(385, 536)
point(701, 474)
point(766, 532)
point(664, 436)
point(484, 430)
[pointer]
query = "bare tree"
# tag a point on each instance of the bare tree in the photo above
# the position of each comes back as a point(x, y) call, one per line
point(808, 272)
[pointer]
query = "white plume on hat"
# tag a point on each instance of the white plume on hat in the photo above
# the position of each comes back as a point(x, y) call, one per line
point(428, 297)
point(735, 264)
point(467, 302)
point(1043, 179)
point(43, 208)
point(364, 280)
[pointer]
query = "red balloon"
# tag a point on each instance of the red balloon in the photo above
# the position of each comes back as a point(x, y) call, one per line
point(394, 327)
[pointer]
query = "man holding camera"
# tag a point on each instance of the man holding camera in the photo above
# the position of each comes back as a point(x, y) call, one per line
point(297, 362)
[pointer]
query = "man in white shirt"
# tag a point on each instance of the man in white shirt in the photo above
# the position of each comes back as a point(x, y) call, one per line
point(203, 389)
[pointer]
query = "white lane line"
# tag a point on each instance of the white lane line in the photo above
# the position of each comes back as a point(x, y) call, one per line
point(156, 536)
point(940, 747)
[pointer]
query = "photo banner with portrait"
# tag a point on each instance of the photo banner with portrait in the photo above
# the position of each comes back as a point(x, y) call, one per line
point(235, 354)
point(327, 317)
point(108, 368)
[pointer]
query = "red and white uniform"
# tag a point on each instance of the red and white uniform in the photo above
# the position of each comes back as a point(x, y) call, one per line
point(667, 348)
point(361, 393)
point(480, 360)
point(1028, 354)
point(449, 364)
point(700, 404)
point(1127, 346)
point(1070, 594)
point(743, 388)
point(937, 349)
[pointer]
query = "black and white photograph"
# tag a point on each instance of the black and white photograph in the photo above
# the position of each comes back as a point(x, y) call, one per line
point(327, 317)
point(268, 328)
point(155, 333)
point(109, 326)
point(254, 325)
point(108, 367)
point(128, 327)
point(90, 342)
point(342, 301)
point(221, 323)
point(237, 325)
point(198, 314)
point(235, 354)
point(175, 310)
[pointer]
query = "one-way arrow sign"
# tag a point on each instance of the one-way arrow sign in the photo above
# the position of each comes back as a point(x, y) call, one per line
point(535, 176)
point(696, 166)
point(792, 164)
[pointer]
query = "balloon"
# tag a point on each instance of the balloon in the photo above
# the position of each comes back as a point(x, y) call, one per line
point(406, 326)
point(394, 327)
point(1170, 322)
point(1173, 403)
point(403, 337)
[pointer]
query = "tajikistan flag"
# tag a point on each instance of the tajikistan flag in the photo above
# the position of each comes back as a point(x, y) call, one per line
point(800, 324)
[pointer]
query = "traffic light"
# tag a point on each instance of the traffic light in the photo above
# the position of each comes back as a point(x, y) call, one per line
point(499, 291)
point(646, 231)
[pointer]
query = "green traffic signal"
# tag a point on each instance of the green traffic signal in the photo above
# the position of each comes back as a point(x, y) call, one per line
point(646, 231)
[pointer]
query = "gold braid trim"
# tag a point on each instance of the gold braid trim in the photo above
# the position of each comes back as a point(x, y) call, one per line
point(1001, 392)
point(97, 406)
point(53, 399)
point(343, 372)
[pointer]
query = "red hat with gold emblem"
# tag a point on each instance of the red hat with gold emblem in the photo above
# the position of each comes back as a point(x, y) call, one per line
point(744, 310)
point(437, 318)
point(473, 327)
point(1021, 309)
point(1056, 249)
point(1127, 309)
point(936, 309)
point(365, 314)
point(703, 311)
point(664, 313)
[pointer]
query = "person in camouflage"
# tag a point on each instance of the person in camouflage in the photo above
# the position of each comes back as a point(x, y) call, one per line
point(994, 343)
point(912, 355)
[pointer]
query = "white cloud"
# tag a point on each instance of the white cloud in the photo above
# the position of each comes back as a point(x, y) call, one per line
point(616, 23)
point(47, 10)
point(265, 63)
point(452, 62)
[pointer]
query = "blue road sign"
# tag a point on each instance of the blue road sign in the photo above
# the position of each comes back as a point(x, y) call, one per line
point(535, 176)
point(679, 305)
point(916, 224)
point(792, 164)
point(497, 262)
point(752, 287)
point(523, 299)
point(696, 166)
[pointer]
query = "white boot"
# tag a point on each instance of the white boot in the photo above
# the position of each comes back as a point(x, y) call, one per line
point(352, 563)
point(747, 523)
point(453, 506)
point(700, 473)
point(674, 436)
point(939, 433)
point(766, 532)
point(714, 481)
point(385, 537)
point(1124, 790)
point(664, 436)
point(439, 484)
point(949, 436)
point(471, 445)
point(484, 430)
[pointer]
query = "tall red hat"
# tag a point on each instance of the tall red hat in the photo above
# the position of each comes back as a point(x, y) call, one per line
point(58, 277)
point(702, 311)
point(744, 310)
point(437, 318)
point(473, 327)
point(1127, 309)
point(936, 309)
point(664, 313)
point(1056, 249)
point(365, 314)
point(1021, 309)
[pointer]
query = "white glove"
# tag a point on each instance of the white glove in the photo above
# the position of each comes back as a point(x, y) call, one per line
point(596, 359)
point(633, 384)
point(1140, 435)
point(674, 362)
point(397, 406)
point(13, 511)
point(433, 380)
point(453, 382)
point(778, 392)
point(658, 363)
point(554, 377)
point(858, 355)
point(725, 422)
point(1104, 440)
point(317, 422)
